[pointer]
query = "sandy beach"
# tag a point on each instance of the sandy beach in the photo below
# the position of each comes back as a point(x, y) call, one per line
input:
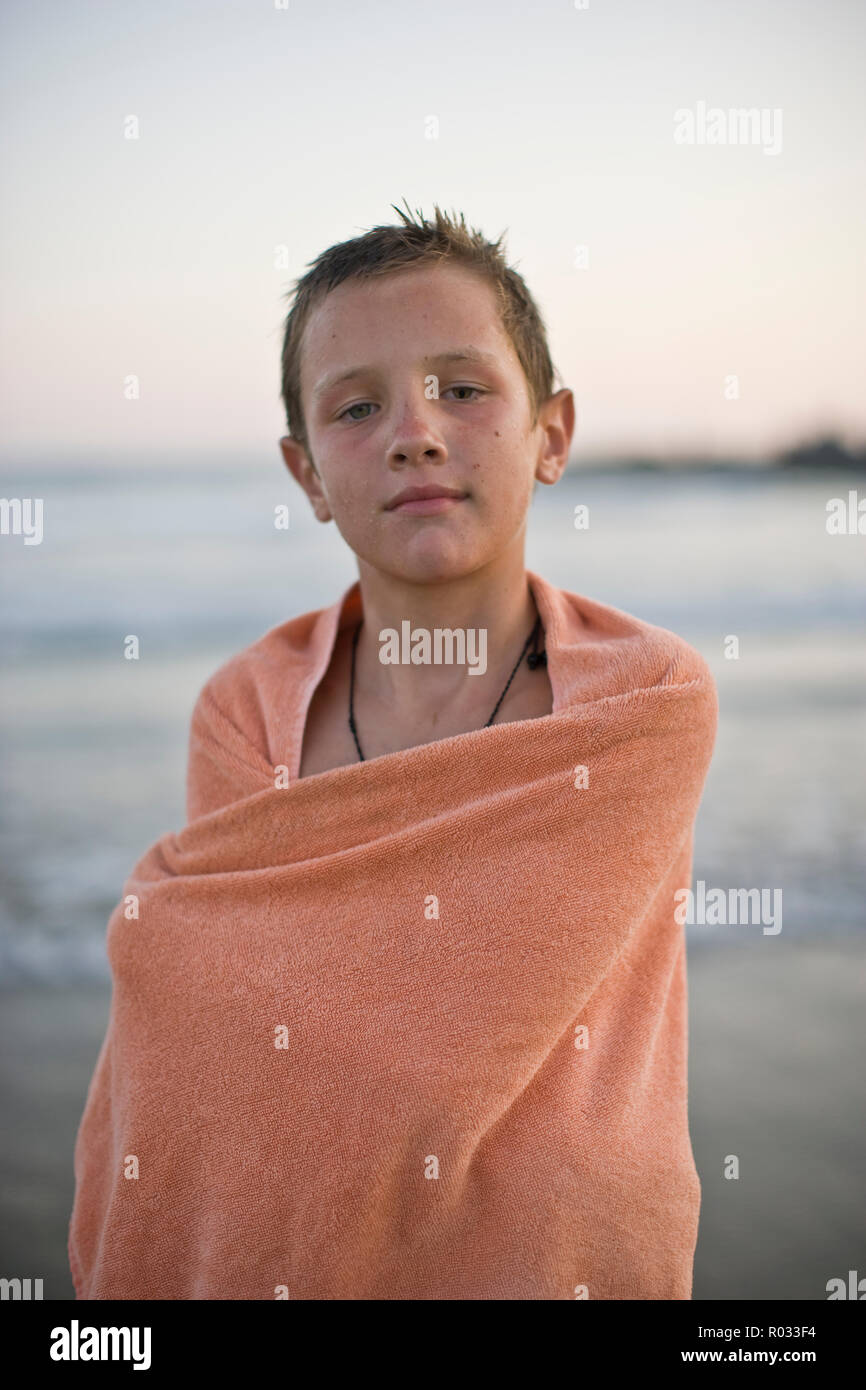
point(776, 1078)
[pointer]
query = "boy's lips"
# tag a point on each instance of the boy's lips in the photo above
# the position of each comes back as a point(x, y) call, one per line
point(426, 499)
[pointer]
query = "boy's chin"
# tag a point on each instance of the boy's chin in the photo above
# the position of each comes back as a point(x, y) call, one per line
point(428, 565)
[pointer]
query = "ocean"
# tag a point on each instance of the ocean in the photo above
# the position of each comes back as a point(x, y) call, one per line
point(189, 561)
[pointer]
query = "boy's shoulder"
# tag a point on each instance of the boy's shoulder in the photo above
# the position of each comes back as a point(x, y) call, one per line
point(603, 651)
point(244, 723)
point(246, 685)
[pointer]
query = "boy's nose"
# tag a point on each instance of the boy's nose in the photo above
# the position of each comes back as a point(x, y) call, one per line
point(414, 439)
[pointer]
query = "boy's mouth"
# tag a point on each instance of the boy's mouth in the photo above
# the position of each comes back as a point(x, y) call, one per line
point(426, 499)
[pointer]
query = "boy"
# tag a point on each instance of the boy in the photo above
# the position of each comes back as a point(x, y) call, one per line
point(403, 1012)
point(449, 399)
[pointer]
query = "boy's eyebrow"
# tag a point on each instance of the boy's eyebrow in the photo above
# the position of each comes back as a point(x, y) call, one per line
point(466, 354)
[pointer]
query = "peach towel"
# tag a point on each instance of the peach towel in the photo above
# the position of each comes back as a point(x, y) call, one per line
point(313, 1087)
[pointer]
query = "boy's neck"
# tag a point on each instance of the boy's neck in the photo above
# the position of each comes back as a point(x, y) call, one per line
point(497, 599)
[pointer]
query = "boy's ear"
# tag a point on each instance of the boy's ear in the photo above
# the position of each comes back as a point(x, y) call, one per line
point(304, 473)
point(557, 419)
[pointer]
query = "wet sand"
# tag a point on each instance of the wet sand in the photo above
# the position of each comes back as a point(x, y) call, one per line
point(776, 1078)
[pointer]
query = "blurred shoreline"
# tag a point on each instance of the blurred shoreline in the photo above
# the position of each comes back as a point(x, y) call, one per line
point(814, 456)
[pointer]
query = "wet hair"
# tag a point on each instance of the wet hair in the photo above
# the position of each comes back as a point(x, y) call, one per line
point(417, 241)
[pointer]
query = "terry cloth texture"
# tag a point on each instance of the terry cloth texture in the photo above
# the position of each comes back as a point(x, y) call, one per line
point(413, 1028)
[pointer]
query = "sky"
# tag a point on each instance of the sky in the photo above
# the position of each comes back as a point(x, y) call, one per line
point(699, 297)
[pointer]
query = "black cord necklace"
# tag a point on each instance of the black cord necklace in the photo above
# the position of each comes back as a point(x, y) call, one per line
point(535, 658)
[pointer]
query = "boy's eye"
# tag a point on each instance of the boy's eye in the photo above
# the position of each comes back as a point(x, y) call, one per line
point(361, 405)
point(358, 406)
point(476, 389)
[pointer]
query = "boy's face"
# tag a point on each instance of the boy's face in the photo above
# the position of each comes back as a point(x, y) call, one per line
point(388, 427)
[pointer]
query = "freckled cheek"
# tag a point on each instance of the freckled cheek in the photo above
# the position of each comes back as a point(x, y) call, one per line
point(349, 494)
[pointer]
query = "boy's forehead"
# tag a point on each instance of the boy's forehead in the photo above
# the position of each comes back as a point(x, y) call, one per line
point(433, 309)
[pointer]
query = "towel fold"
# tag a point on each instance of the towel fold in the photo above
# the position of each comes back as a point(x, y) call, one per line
point(414, 1028)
